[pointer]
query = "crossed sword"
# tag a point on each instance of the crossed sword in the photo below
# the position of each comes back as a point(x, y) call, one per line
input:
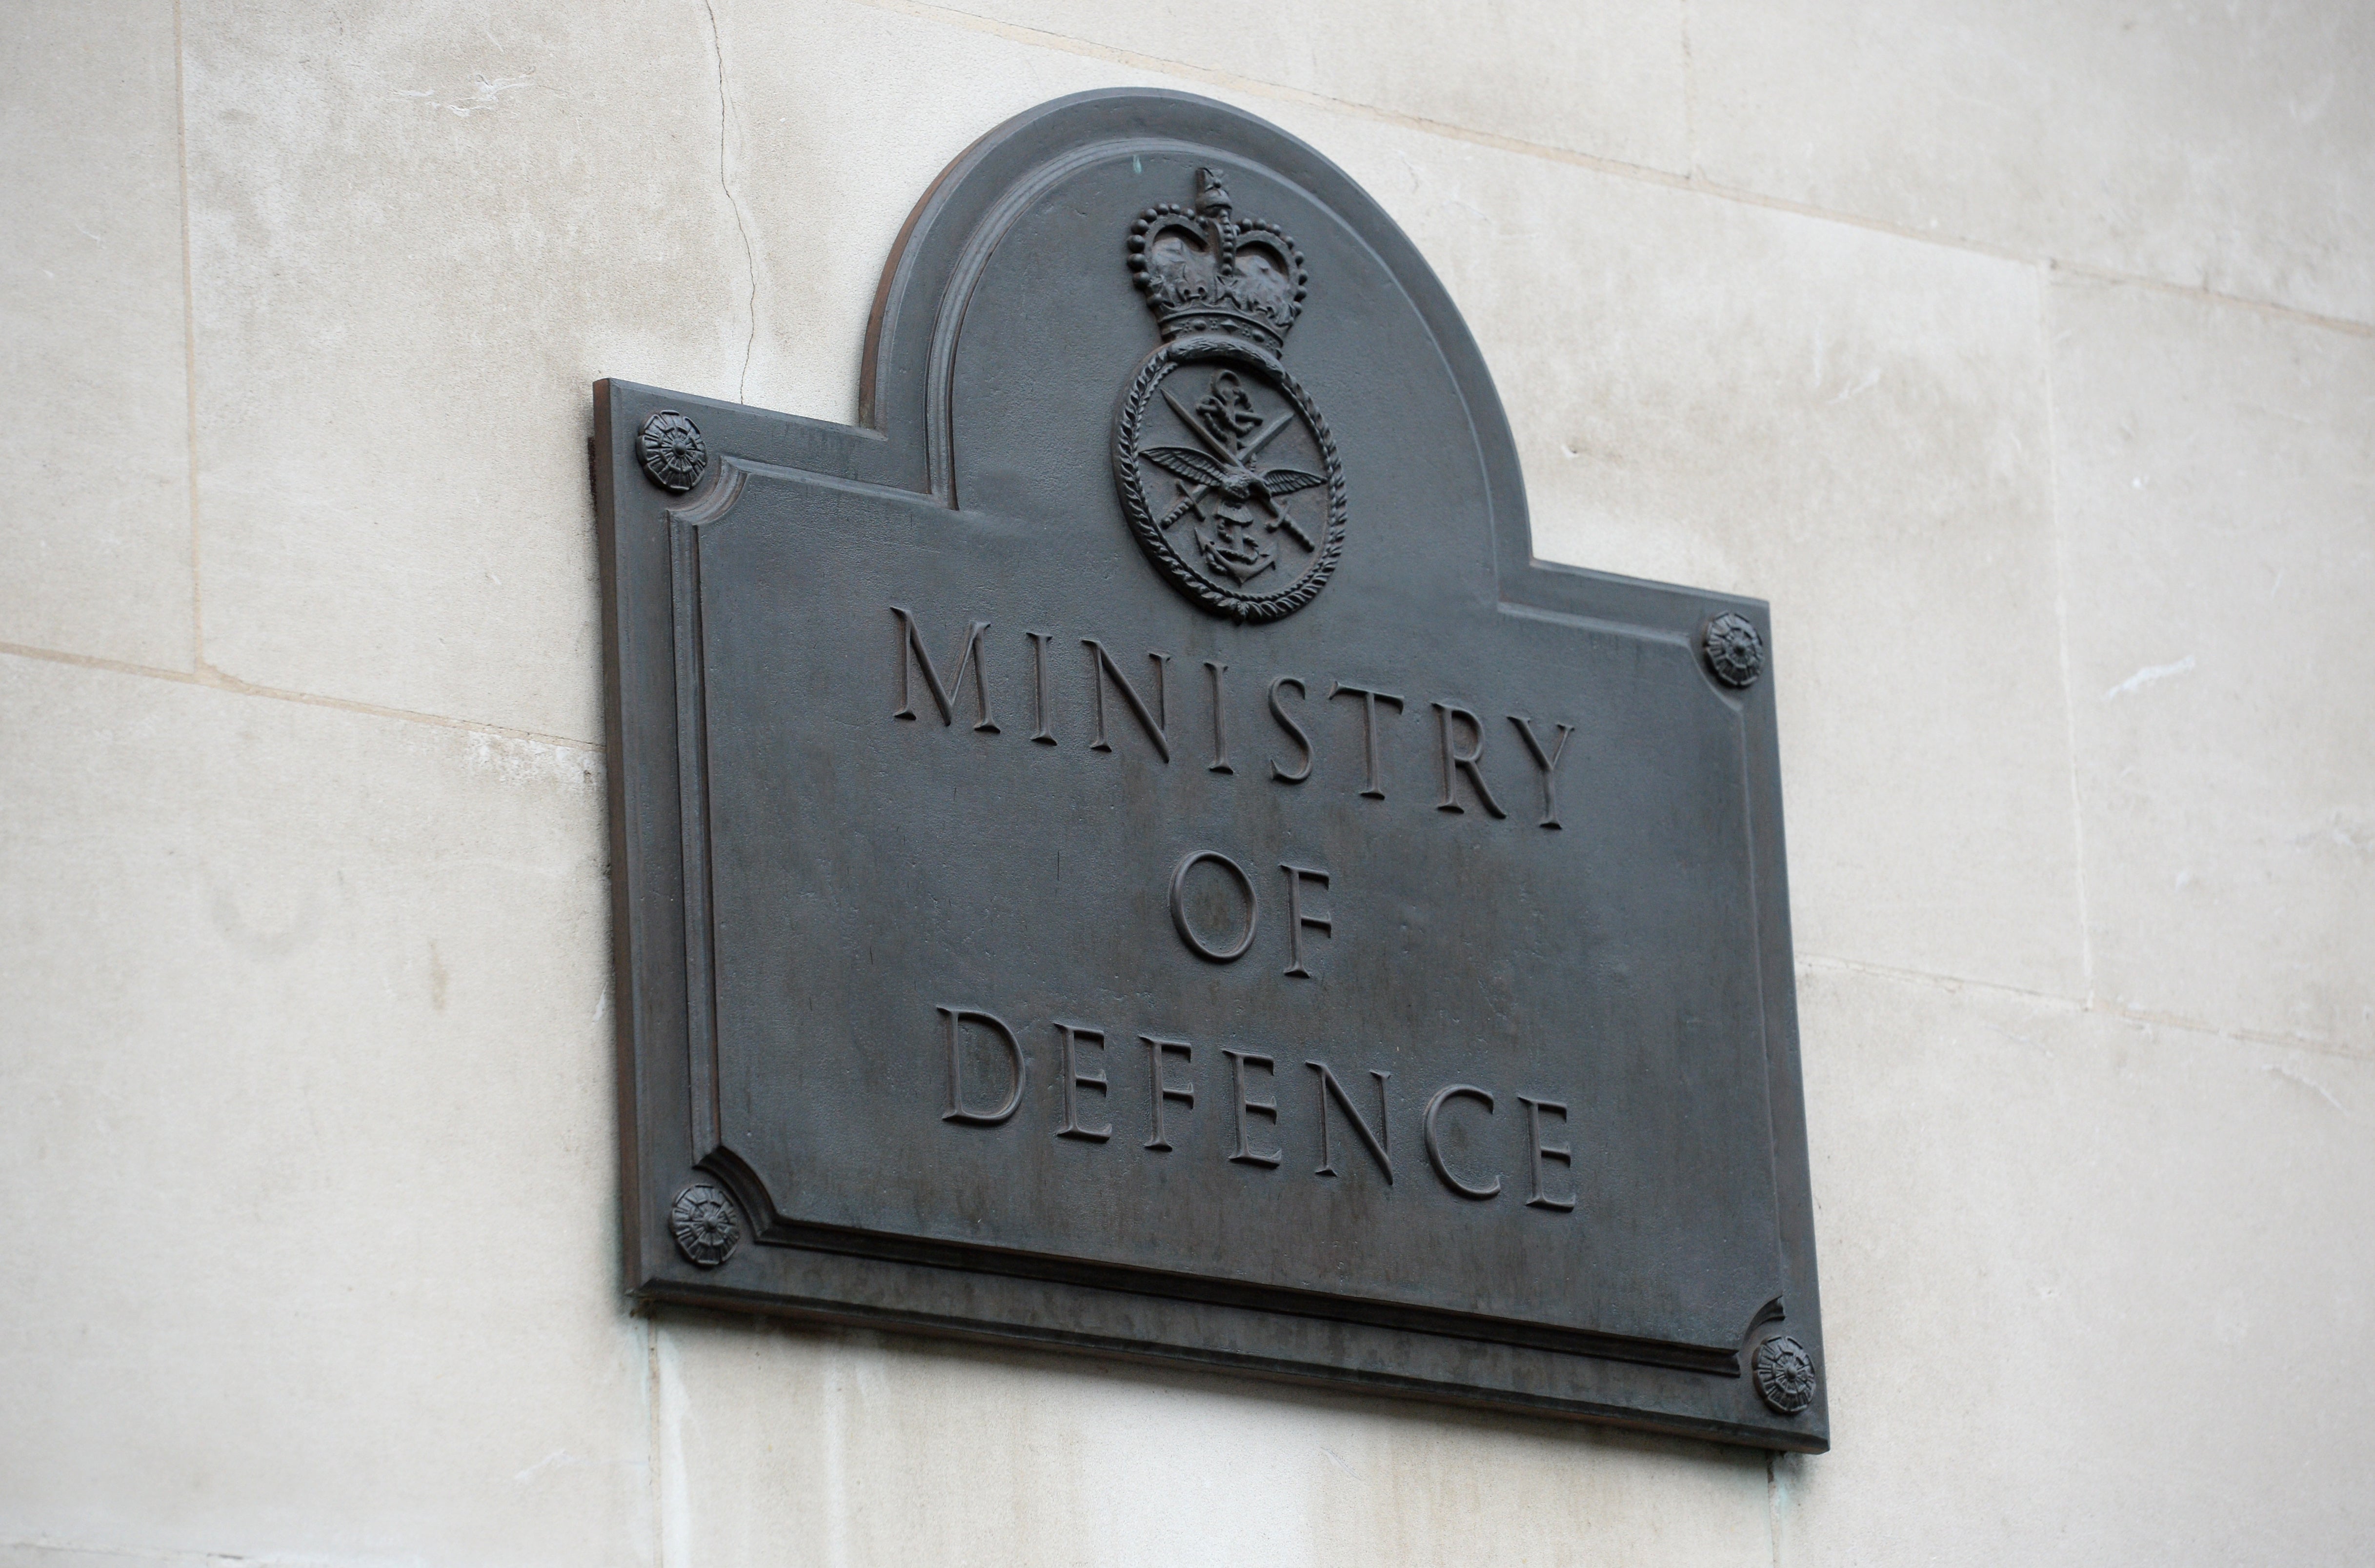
point(1214, 444)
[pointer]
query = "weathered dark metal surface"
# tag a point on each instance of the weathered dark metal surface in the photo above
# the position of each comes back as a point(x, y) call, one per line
point(1126, 850)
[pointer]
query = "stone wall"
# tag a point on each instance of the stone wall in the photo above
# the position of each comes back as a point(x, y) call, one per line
point(2021, 356)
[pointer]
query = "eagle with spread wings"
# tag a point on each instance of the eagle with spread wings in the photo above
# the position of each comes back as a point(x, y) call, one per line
point(1226, 462)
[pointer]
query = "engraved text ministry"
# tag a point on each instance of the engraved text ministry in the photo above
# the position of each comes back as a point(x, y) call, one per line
point(957, 682)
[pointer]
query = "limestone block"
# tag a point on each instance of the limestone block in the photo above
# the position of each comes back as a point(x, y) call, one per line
point(2214, 490)
point(95, 532)
point(420, 233)
point(2227, 147)
point(1851, 425)
point(1601, 79)
point(786, 1445)
point(310, 1196)
point(2094, 1290)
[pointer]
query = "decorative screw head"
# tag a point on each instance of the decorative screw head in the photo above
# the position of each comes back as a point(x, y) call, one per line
point(673, 453)
point(1785, 1374)
point(707, 1229)
point(1735, 652)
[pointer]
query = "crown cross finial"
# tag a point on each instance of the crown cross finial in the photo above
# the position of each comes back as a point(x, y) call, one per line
point(1205, 271)
point(1212, 196)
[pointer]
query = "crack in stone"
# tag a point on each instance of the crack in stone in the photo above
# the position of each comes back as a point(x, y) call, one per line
point(749, 254)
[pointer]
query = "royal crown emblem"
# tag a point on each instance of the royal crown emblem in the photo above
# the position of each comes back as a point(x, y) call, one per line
point(1227, 473)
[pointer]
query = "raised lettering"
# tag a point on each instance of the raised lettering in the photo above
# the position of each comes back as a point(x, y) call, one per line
point(1156, 1051)
point(1075, 1080)
point(1456, 762)
point(1376, 1141)
point(1534, 1109)
point(1434, 1141)
point(1039, 641)
point(1281, 774)
point(1247, 1154)
point(1102, 668)
point(1219, 763)
point(913, 653)
point(1547, 762)
point(1297, 920)
point(1179, 921)
point(1370, 701)
point(958, 1111)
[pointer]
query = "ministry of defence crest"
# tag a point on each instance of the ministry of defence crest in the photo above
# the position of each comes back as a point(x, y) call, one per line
point(1227, 473)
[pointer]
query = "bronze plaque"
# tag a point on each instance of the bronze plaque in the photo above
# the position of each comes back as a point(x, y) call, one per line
point(1126, 849)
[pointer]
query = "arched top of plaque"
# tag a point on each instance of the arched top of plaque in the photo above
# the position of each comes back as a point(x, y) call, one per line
point(1018, 316)
point(1094, 303)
